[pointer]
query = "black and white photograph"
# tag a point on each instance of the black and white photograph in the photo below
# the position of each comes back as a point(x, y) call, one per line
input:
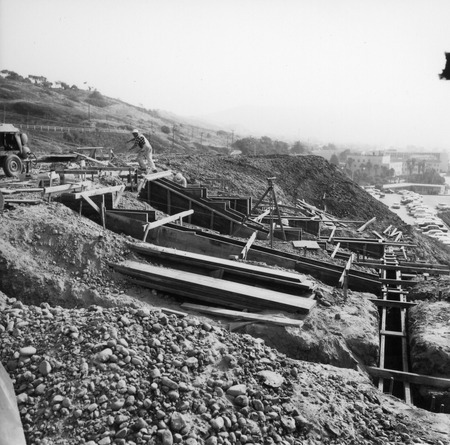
point(224, 222)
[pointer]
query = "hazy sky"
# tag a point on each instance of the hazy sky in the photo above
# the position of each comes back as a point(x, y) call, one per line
point(339, 71)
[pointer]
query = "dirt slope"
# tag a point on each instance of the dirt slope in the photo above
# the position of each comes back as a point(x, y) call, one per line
point(56, 264)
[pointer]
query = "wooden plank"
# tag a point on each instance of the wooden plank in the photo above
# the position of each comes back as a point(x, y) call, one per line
point(158, 175)
point(221, 290)
point(360, 229)
point(335, 250)
point(259, 218)
point(78, 171)
point(96, 161)
point(118, 197)
point(333, 231)
point(377, 235)
point(93, 204)
point(100, 191)
point(382, 343)
point(164, 221)
point(371, 241)
point(418, 379)
point(66, 187)
point(172, 311)
point(392, 333)
point(392, 303)
point(346, 269)
point(21, 190)
point(209, 262)
point(306, 244)
point(228, 313)
point(22, 201)
point(246, 248)
point(142, 215)
point(402, 268)
point(394, 282)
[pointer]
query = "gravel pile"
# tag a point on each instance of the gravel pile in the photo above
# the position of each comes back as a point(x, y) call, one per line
point(141, 376)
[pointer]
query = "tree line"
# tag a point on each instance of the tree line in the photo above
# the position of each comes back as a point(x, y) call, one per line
point(251, 146)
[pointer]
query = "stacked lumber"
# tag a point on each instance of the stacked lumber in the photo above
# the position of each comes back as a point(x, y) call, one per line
point(269, 278)
point(212, 290)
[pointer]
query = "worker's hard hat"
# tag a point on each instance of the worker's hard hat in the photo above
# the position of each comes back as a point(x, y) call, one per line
point(135, 131)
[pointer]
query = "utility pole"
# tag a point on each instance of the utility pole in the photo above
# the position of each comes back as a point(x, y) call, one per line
point(173, 136)
point(201, 139)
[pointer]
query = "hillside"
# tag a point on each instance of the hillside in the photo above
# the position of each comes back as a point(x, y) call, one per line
point(98, 360)
point(104, 119)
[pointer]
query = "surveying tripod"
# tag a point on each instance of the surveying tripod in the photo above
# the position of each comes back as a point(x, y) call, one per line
point(273, 197)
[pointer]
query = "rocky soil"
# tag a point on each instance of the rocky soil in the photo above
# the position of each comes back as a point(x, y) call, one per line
point(139, 376)
point(95, 360)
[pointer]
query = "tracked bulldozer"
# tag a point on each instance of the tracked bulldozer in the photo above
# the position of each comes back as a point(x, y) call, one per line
point(14, 150)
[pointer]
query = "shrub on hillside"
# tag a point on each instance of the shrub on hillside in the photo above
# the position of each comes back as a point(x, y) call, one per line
point(97, 99)
point(7, 94)
point(34, 109)
point(165, 129)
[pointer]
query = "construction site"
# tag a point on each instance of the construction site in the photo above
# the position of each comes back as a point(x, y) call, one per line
point(270, 301)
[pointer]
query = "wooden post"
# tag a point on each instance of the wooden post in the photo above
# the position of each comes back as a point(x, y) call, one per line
point(343, 281)
point(102, 212)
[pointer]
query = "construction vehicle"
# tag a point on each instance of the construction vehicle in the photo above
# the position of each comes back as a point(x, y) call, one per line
point(14, 150)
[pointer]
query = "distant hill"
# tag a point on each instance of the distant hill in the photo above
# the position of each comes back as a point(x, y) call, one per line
point(93, 119)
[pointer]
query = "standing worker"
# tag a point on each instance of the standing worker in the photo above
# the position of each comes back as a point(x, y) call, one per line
point(145, 151)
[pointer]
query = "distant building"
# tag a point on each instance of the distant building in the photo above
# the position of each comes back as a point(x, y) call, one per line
point(371, 161)
point(418, 162)
point(403, 163)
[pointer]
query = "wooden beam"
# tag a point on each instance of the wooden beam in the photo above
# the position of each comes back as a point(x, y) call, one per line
point(392, 333)
point(22, 190)
point(418, 379)
point(66, 187)
point(401, 268)
point(206, 262)
point(360, 229)
point(377, 234)
point(335, 250)
point(345, 271)
point(101, 191)
point(394, 282)
point(96, 161)
point(118, 197)
point(22, 201)
point(158, 175)
point(246, 248)
point(212, 290)
point(392, 303)
point(259, 218)
point(332, 234)
point(164, 221)
point(93, 204)
point(174, 312)
point(228, 313)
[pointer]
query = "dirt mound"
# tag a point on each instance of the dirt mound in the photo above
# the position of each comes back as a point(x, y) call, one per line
point(309, 178)
point(57, 264)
